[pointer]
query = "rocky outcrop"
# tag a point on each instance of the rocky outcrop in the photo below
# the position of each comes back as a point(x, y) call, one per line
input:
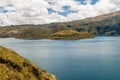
point(15, 67)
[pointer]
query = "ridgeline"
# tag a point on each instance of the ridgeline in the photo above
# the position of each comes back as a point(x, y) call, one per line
point(103, 25)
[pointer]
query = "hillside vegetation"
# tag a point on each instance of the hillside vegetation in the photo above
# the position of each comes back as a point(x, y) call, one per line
point(15, 67)
point(69, 35)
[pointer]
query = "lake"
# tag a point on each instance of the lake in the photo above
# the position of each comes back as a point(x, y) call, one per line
point(87, 59)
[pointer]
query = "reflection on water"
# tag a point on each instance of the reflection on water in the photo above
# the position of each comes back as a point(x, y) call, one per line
point(87, 59)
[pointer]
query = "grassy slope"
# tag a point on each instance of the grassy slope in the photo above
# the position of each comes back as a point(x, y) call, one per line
point(69, 35)
point(15, 67)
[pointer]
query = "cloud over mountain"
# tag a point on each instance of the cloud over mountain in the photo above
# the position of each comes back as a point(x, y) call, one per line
point(18, 12)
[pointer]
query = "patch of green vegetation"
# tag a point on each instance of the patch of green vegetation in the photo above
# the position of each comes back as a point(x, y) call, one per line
point(69, 35)
point(15, 67)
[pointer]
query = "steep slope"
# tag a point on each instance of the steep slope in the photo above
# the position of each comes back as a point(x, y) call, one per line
point(15, 67)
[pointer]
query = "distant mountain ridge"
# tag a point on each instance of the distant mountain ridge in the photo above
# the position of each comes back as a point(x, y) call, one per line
point(106, 24)
point(101, 17)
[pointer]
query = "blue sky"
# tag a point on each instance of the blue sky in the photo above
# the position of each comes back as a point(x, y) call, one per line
point(17, 12)
point(82, 1)
point(67, 9)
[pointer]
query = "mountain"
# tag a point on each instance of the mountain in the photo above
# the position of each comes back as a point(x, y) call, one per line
point(107, 24)
point(15, 67)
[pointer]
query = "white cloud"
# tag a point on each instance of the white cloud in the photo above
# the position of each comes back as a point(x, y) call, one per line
point(58, 4)
point(36, 11)
point(88, 1)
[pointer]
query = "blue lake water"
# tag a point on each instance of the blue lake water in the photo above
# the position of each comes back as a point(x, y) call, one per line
point(87, 59)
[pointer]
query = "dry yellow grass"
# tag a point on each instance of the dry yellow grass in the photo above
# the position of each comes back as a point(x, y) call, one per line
point(70, 35)
point(15, 67)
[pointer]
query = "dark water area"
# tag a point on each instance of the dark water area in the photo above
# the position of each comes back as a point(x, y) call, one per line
point(87, 59)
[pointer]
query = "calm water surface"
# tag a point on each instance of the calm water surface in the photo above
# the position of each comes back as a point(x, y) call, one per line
point(87, 59)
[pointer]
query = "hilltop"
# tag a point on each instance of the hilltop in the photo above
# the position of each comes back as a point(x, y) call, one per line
point(69, 35)
point(15, 67)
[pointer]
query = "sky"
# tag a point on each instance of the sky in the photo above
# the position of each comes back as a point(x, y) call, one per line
point(18, 12)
